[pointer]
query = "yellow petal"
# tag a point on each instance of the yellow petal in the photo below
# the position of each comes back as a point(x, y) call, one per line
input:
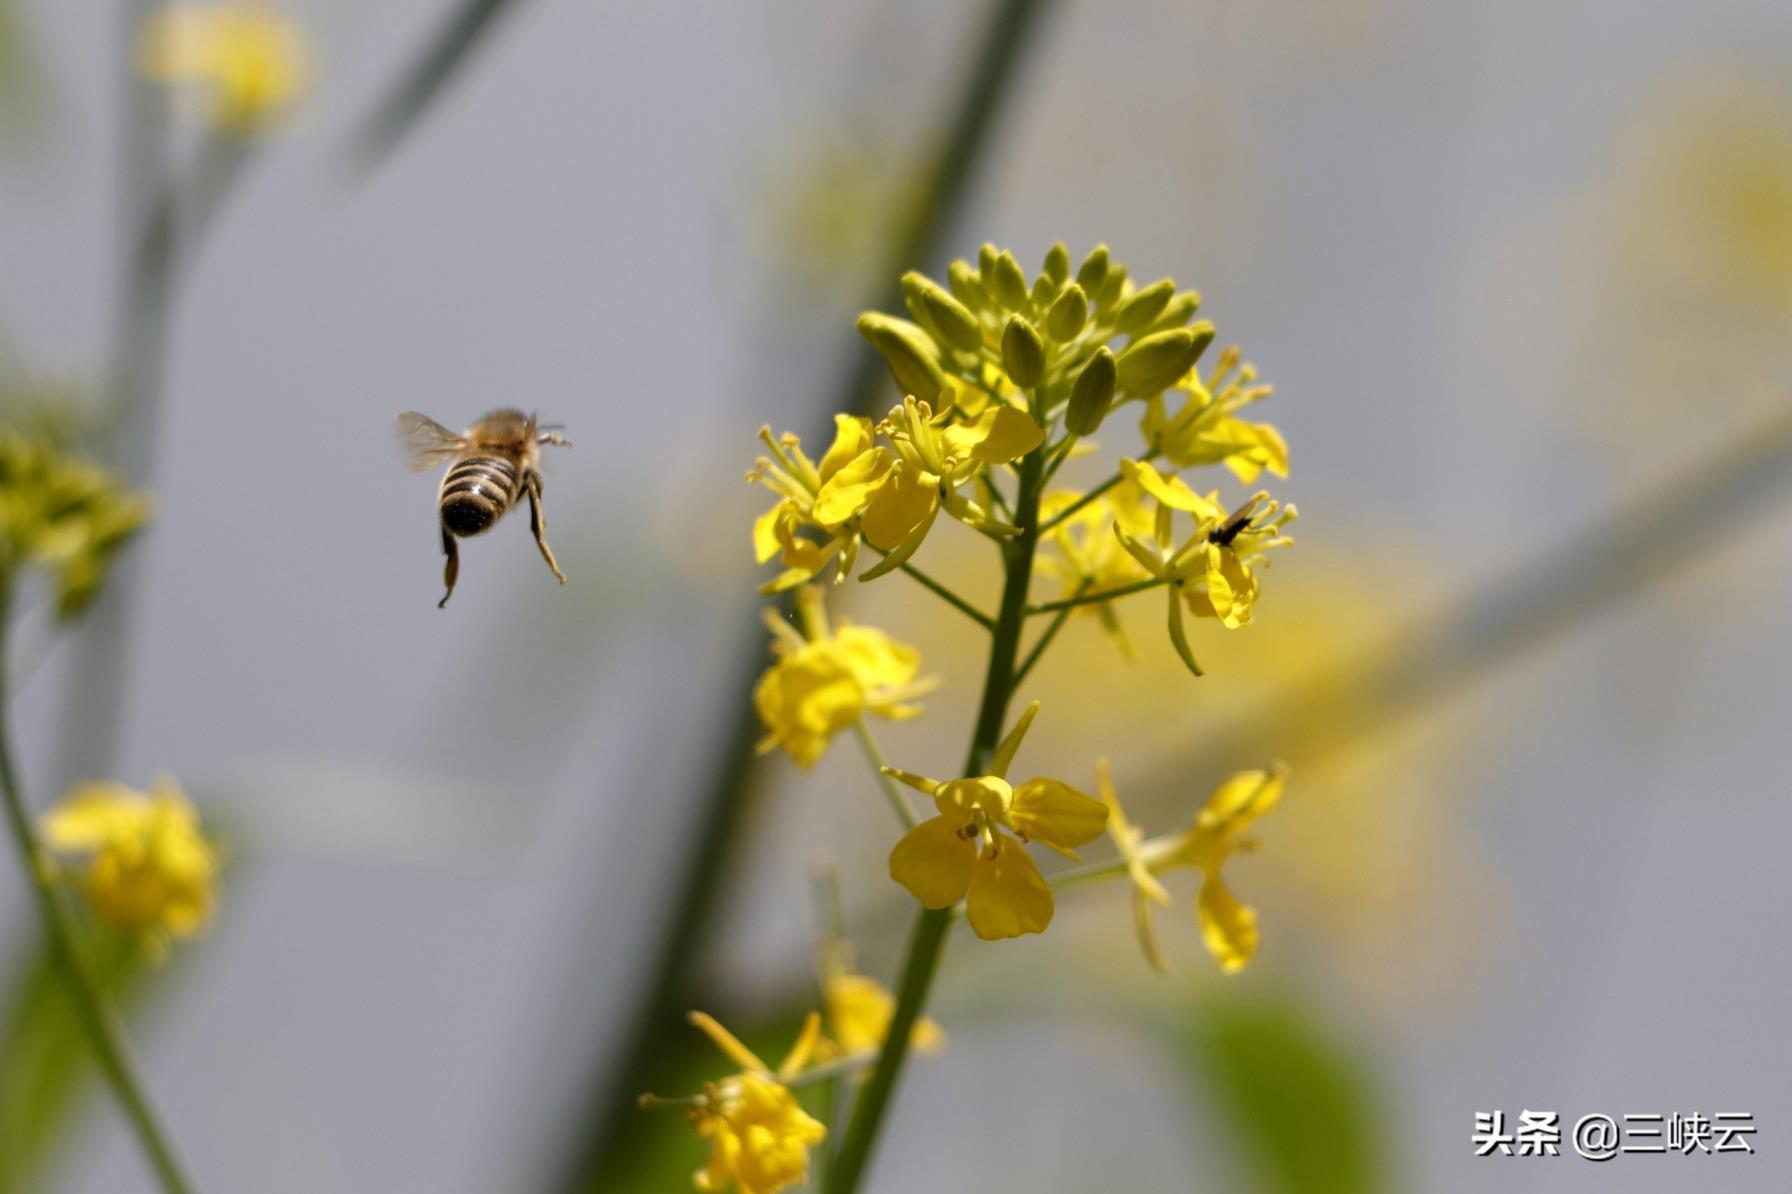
point(859, 1011)
point(934, 862)
point(766, 542)
point(987, 794)
point(93, 814)
point(807, 697)
point(1172, 491)
point(899, 506)
point(852, 438)
point(1241, 798)
point(998, 435)
point(1228, 927)
point(852, 487)
point(878, 660)
point(1007, 895)
point(1053, 812)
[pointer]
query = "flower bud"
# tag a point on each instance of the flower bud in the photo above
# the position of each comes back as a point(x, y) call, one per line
point(1057, 263)
point(1177, 312)
point(907, 351)
point(1140, 309)
point(1159, 360)
point(1091, 395)
point(1094, 270)
point(1023, 353)
point(966, 287)
point(986, 261)
point(1008, 282)
point(931, 305)
point(1113, 289)
point(1044, 291)
point(1068, 314)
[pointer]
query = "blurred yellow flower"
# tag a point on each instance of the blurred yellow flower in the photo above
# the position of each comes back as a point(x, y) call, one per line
point(962, 854)
point(759, 1137)
point(150, 870)
point(1228, 927)
point(858, 1017)
point(824, 680)
point(249, 62)
point(63, 514)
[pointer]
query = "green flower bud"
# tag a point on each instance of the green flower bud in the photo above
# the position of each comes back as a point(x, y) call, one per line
point(986, 261)
point(1057, 263)
point(1141, 309)
point(1158, 361)
point(941, 313)
point(906, 349)
point(1068, 314)
point(1094, 270)
point(1008, 282)
point(1177, 312)
point(1023, 353)
point(966, 287)
point(1044, 291)
point(1091, 395)
point(1113, 289)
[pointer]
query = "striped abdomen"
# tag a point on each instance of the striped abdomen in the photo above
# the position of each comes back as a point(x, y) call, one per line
point(475, 492)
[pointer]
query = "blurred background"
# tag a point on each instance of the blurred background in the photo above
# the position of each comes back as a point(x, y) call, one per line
point(1521, 275)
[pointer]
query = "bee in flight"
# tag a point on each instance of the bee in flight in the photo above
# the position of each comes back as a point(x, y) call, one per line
point(492, 464)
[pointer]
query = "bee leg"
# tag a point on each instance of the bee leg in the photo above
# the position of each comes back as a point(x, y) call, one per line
point(539, 524)
point(452, 571)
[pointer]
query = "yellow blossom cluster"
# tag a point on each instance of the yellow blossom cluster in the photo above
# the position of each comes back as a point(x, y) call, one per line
point(247, 62)
point(147, 869)
point(63, 514)
point(1004, 380)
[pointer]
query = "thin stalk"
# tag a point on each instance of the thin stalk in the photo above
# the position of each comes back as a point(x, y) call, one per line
point(1045, 640)
point(99, 1020)
point(928, 940)
point(596, 1131)
point(949, 597)
point(1072, 602)
point(891, 789)
point(1092, 495)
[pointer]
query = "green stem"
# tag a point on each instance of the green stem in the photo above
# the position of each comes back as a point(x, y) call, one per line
point(1106, 485)
point(929, 938)
point(1051, 632)
point(1070, 603)
point(949, 597)
point(905, 812)
point(105, 1032)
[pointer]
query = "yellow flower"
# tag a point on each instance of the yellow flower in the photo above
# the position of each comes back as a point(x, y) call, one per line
point(63, 514)
point(963, 853)
point(150, 870)
point(1210, 571)
point(1085, 555)
point(1207, 431)
point(248, 60)
point(896, 493)
point(824, 680)
point(1228, 927)
point(759, 1137)
point(798, 480)
point(858, 1017)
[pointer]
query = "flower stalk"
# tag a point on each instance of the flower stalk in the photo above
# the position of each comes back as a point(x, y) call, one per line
point(99, 1020)
point(928, 940)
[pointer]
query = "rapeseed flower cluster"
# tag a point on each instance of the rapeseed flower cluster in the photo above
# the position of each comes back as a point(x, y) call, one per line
point(64, 515)
point(1004, 380)
point(247, 63)
point(146, 868)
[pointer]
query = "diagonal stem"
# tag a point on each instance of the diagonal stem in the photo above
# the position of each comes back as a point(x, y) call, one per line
point(105, 1032)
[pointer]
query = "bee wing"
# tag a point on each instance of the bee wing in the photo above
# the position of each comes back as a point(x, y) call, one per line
point(426, 442)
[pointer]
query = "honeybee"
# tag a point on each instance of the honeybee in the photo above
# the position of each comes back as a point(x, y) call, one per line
point(492, 464)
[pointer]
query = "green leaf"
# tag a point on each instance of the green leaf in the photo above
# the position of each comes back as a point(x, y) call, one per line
point(1301, 1105)
point(48, 1068)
